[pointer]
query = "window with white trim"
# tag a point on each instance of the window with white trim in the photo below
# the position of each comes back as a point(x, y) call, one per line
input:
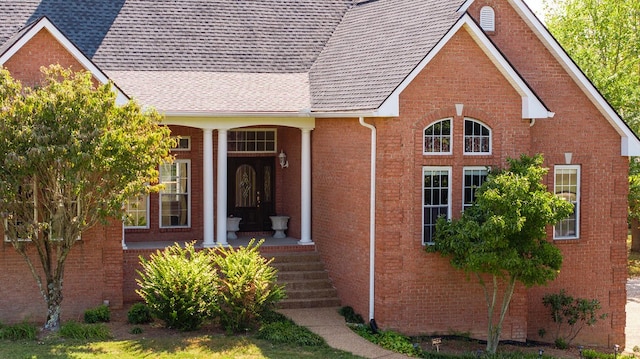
point(473, 178)
point(437, 137)
point(567, 186)
point(477, 138)
point(137, 212)
point(183, 143)
point(175, 199)
point(436, 197)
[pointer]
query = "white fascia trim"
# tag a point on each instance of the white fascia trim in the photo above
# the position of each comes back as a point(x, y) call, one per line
point(45, 23)
point(532, 107)
point(630, 144)
point(465, 6)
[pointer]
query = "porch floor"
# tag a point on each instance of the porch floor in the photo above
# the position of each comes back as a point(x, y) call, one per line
point(270, 244)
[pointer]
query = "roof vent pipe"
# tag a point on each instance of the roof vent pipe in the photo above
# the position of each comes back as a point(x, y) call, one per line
point(372, 223)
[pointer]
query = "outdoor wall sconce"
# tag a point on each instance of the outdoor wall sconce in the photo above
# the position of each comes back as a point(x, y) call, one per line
point(283, 159)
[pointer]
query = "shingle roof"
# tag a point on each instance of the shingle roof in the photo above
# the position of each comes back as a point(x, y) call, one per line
point(375, 46)
point(352, 53)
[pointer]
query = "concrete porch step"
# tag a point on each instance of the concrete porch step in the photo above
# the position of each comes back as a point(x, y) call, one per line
point(305, 279)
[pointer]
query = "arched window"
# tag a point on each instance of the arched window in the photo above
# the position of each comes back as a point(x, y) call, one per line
point(437, 138)
point(487, 18)
point(477, 138)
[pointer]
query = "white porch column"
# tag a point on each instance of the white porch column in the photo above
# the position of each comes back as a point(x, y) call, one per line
point(207, 186)
point(305, 184)
point(222, 188)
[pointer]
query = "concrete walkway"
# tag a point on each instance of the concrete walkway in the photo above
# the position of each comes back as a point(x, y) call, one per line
point(633, 314)
point(327, 323)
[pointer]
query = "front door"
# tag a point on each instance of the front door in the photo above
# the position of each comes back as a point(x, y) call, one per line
point(251, 191)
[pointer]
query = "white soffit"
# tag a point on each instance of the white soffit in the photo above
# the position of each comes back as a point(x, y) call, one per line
point(45, 23)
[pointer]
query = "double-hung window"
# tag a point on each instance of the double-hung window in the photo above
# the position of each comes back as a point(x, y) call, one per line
point(175, 198)
point(436, 197)
point(473, 178)
point(567, 187)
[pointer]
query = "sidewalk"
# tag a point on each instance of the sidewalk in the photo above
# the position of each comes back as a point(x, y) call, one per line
point(330, 325)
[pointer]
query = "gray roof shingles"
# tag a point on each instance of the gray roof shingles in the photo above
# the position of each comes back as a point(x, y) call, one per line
point(344, 56)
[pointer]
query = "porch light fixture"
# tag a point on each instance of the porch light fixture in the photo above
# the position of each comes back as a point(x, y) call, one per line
point(283, 159)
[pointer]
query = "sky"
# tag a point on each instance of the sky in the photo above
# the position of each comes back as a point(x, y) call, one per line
point(536, 6)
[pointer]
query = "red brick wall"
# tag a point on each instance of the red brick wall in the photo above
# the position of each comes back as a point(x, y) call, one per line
point(93, 273)
point(340, 193)
point(41, 50)
point(595, 265)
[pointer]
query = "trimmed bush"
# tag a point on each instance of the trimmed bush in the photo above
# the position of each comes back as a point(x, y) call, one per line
point(100, 314)
point(180, 286)
point(139, 313)
point(247, 287)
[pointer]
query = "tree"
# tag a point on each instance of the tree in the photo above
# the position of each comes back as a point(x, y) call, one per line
point(602, 36)
point(503, 235)
point(69, 158)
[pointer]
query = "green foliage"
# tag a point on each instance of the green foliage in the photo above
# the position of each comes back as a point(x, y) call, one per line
point(503, 234)
point(75, 330)
point(287, 332)
point(19, 331)
point(571, 313)
point(139, 313)
point(180, 286)
point(247, 286)
point(100, 314)
point(350, 316)
point(389, 340)
point(69, 145)
point(136, 330)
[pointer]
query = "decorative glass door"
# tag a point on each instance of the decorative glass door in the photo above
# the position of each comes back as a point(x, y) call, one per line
point(251, 191)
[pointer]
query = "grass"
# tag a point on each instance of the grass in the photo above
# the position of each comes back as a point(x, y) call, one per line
point(633, 261)
point(192, 347)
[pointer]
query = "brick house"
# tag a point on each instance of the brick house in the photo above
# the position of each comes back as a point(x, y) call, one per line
point(385, 113)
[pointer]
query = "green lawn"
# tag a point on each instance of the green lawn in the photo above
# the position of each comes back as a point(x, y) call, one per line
point(204, 346)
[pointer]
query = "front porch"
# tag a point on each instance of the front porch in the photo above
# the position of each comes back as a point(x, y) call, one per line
point(270, 245)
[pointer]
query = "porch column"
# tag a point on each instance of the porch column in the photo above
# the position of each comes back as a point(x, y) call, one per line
point(305, 185)
point(222, 188)
point(207, 186)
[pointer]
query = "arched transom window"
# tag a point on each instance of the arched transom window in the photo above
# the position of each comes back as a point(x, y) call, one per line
point(477, 137)
point(437, 137)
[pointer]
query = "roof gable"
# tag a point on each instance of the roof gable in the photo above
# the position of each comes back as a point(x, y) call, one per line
point(532, 106)
point(630, 144)
point(16, 42)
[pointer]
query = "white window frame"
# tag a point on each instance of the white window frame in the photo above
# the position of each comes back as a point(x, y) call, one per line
point(424, 138)
point(188, 193)
point(146, 214)
point(486, 169)
point(425, 170)
point(577, 168)
point(464, 137)
point(181, 149)
point(265, 130)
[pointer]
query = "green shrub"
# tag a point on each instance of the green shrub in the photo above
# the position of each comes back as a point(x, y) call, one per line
point(288, 332)
point(574, 314)
point(139, 313)
point(100, 314)
point(389, 340)
point(136, 330)
point(75, 330)
point(19, 331)
point(247, 287)
point(180, 286)
point(350, 316)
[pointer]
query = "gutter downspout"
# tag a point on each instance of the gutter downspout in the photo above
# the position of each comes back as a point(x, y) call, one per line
point(372, 223)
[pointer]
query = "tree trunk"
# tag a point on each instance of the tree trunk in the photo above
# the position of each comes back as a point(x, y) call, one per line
point(54, 301)
point(635, 235)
